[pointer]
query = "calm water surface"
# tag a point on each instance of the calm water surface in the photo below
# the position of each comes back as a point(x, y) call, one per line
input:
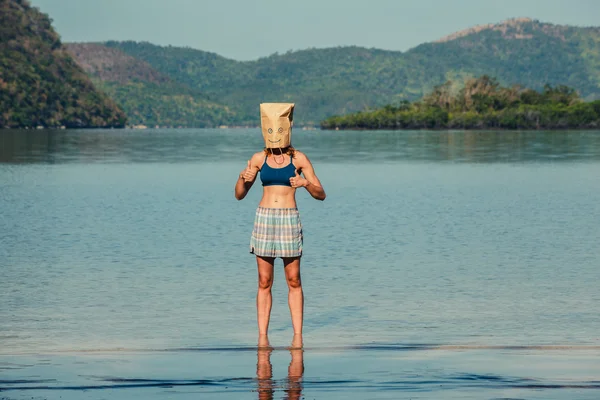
point(127, 250)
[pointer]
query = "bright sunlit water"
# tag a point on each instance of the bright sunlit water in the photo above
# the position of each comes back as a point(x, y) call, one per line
point(131, 244)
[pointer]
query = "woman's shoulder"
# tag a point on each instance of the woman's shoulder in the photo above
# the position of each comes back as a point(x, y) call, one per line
point(298, 153)
point(258, 158)
point(300, 156)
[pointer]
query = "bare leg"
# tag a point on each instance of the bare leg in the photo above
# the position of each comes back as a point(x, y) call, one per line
point(263, 297)
point(295, 293)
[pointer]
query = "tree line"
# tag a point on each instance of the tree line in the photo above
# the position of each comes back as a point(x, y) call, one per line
point(481, 103)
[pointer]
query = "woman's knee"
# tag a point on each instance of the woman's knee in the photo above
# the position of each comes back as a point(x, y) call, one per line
point(265, 282)
point(265, 272)
point(294, 282)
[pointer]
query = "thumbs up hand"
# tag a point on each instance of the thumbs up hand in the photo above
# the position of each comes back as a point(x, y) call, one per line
point(297, 180)
point(248, 174)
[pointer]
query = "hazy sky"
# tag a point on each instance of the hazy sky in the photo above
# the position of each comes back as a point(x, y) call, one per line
point(249, 29)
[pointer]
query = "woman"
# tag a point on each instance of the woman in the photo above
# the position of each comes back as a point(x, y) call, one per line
point(277, 228)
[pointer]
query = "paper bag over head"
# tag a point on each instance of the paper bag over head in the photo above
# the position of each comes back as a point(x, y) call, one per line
point(276, 123)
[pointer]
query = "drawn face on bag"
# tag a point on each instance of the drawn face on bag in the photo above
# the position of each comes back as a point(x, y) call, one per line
point(276, 122)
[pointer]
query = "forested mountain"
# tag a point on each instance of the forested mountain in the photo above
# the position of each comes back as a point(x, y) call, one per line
point(333, 81)
point(321, 82)
point(40, 83)
point(147, 96)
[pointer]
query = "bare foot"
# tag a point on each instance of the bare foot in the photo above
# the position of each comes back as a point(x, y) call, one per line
point(297, 343)
point(263, 343)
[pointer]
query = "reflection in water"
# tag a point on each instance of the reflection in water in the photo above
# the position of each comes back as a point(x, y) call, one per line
point(264, 370)
point(161, 145)
point(295, 373)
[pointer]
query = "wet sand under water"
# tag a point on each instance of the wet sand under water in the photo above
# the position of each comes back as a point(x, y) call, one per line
point(348, 372)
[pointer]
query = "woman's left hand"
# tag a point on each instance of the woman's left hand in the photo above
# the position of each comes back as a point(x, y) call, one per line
point(298, 181)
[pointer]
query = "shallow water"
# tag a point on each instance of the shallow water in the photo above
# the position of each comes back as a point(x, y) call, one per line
point(436, 263)
point(388, 372)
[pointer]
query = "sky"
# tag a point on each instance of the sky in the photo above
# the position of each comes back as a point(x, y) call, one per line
point(250, 29)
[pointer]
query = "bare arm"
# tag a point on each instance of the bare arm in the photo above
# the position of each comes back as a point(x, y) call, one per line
point(242, 187)
point(310, 180)
point(246, 179)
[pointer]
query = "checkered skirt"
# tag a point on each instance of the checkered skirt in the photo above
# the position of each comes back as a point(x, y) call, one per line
point(277, 232)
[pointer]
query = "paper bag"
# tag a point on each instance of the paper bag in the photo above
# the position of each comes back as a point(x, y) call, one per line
point(276, 123)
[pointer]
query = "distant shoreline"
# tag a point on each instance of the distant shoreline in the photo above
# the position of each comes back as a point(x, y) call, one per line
point(481, 104)
point(142, 128)
point(487, 129)
point(484, 129)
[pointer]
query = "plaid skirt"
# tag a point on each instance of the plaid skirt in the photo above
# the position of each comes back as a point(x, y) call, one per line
point(277, 232)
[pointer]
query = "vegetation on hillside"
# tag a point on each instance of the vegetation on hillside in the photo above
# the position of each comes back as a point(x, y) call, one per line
point(333, 81)
point(148, 97)
point(40, 84)
point(481, 103)
point(158, 105)
point(113, 65)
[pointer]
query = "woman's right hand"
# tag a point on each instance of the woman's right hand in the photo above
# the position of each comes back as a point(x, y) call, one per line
point(248, 174)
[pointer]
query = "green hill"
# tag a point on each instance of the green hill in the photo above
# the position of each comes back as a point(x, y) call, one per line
point(333, 81)
point(147, 96)
point(40, 84)
point(320, 82)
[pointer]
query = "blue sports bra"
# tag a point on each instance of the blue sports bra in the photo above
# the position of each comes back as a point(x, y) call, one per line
point(277, 176)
